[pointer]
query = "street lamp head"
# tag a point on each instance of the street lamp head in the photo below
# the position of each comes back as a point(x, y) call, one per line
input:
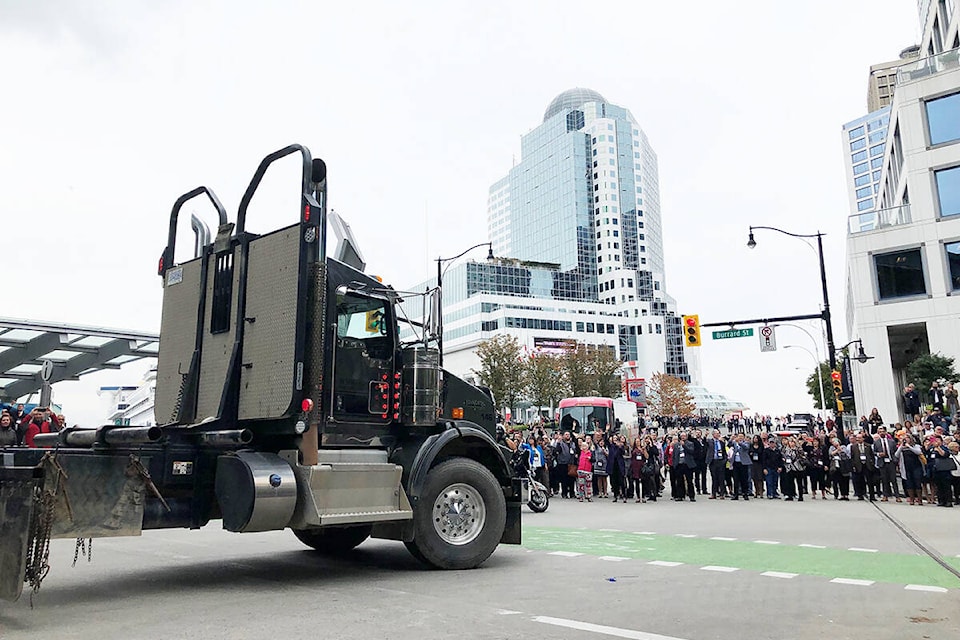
point(751, 243)
point(490, 252)
point(862, 357)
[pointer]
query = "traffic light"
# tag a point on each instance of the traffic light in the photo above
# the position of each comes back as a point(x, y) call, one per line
point(691, 331)
point(837, 388)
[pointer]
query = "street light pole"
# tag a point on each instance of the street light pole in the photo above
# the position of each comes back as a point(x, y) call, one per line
point(751, 243)
point(440, 272)
point(816, 359)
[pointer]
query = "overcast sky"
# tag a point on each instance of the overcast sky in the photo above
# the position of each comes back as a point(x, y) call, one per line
point(110, 110)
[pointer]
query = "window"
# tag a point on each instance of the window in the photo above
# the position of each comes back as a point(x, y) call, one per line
point(876, 150)
point(864, 192)
point(900, 274)
point(862, 180)
point(877, 136)
point(856, 133)
point(953, 264)
point(859, 156)
point(943, 118)
point(864, 205)
point(580, 327)
point(858, 144)
point(860, 168)
point(875, 175)
point(948, 191)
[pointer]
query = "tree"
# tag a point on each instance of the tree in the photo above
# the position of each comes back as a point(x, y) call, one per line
point(670, 396)
point(930, 367)
point(577, 371)
point(604, 368)
point(543, 377)
point(501, 368)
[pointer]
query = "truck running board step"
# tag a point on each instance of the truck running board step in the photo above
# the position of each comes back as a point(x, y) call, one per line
point(342, 493)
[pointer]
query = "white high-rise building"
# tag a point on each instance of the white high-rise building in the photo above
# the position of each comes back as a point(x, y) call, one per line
point(903, 257)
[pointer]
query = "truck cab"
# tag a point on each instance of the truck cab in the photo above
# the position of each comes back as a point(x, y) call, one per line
point(285, 399)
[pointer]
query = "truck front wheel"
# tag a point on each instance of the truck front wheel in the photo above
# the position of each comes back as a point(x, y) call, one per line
point(334, 540)
point(460, 516)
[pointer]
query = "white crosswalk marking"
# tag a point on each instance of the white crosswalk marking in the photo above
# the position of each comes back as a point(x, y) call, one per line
point(779, 574)
point(566, 554)
point(718, 568)
point(664, 563)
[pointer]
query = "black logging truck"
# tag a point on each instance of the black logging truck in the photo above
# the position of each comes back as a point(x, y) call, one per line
point(285, 398)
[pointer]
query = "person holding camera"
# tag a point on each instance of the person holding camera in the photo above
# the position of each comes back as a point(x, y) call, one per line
point(909, 459)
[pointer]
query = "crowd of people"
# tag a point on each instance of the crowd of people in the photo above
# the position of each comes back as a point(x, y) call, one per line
point(917, 461)
point(19, 426)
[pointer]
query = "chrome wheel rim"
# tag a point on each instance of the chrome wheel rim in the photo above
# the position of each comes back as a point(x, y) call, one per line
point(459, 514)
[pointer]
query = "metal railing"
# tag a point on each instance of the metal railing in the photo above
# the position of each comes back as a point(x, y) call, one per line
point(926, 67)
point(879, 219)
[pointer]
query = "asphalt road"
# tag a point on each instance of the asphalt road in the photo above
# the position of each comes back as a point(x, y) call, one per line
point(724, 570)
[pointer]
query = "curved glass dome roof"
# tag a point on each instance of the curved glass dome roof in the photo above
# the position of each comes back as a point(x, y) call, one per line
point(571, 99)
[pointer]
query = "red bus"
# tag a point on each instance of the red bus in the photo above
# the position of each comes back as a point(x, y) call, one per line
point(587, 414)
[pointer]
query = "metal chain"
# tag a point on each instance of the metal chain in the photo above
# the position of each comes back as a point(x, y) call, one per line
point(44, 500)
point(84, 546)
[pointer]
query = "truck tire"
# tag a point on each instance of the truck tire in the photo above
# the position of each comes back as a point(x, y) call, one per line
point(333, 540)
point(460, 516)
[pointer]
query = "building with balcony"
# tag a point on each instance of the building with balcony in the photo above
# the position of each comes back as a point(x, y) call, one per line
point(903, 257)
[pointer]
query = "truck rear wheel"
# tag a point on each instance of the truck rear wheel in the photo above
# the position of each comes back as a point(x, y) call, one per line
point(460, 517)
point(334, 540)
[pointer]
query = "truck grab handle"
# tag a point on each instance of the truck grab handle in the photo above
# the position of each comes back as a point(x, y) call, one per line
point(166, 260)
point(313, 172)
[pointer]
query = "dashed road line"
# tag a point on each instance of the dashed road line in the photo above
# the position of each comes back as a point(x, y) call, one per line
point(508, 612)
point(779, 574)
point(766, 542)
point(722, 539)
point(686, 535)
point(653, 533)
point(565, 554)
point(925, 587)
point(616, 632)
point(853, 581)
point(812, 546)
point(611, 530)
point(613, 558)
point(861, 549)
point(712, 567)
point(664, 563)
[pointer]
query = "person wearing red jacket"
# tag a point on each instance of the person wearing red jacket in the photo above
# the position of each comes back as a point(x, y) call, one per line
point(39, 423)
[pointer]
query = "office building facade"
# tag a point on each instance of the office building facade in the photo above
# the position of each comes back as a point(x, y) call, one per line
point(576, 226)
point(903, 257)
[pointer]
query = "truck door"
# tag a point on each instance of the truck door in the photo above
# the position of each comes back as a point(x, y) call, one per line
point(363, 357)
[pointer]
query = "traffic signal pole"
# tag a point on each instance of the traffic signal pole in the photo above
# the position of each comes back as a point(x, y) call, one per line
point(733, 323)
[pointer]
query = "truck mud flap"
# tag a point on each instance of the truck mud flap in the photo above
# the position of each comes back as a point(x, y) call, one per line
point(18, 487)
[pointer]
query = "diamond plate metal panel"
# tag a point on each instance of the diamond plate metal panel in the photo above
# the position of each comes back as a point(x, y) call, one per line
point(178, 330)
point(104, 498)
point(269, 369)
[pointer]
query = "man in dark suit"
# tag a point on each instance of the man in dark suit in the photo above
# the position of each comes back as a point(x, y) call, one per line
point(864, 468)
point(685, 464)
point(884, 447)
point(741, 466)
point(716, 459)
point(911, 401)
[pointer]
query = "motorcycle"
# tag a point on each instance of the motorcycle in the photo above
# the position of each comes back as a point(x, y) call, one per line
point(537, 495)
